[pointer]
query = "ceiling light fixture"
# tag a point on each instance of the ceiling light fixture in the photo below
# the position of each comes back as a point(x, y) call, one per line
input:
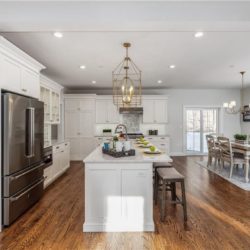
point(126, 80)
point(94, 82)
point(58, 34)
point(159, 81)
point(82, 67)
point(199, 34)
point(172, 66)
point(230, 107)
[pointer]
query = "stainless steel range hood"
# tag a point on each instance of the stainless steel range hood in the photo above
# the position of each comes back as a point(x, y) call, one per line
point(132, 110)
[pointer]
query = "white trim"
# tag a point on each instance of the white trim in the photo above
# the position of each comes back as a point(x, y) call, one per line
point(79, 96)
point(48, 83)
point(11, 51)
point(120, 227)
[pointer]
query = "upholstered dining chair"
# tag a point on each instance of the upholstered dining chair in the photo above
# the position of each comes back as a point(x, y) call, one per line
point(227, 155)
point(213, 150)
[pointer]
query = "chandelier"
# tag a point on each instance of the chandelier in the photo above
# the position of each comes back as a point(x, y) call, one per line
point(230, 107)
point(126, 80)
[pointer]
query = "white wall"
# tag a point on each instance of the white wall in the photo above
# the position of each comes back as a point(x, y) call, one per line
point(245, 126)
point(178, 98)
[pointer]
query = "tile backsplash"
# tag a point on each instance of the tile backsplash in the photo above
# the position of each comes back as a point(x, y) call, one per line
point(132, 122)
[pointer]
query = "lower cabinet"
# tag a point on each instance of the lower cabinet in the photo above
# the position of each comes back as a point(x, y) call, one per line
point(80, 147)
point(61, 162)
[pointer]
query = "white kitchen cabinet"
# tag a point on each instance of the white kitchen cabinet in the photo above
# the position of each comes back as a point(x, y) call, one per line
point(30, 83)
point(19, 72)
point(60, 164)
point(50, 94)
point(80, 125)
point(155, 111)
point(106, 112)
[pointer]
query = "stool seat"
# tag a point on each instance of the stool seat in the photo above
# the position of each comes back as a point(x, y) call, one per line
point(169, 174)
point(162, 165)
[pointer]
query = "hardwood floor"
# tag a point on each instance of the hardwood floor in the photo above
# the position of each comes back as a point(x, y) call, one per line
point(218, 217)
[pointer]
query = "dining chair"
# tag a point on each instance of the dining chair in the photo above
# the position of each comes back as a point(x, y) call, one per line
point(226, 154)
point(213, 150)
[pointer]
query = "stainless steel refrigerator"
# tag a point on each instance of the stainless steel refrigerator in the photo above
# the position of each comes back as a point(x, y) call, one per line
point(22, 154)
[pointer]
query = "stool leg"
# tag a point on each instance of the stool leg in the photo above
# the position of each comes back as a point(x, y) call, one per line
point(173, 191)
point(163, 201)
point(156, 187)
point(184, 203)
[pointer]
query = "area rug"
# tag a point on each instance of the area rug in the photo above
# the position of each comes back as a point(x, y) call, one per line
point(238, 177)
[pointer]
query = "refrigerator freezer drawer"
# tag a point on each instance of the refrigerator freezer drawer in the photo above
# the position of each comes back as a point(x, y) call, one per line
point(15, 183)
point(17, 205)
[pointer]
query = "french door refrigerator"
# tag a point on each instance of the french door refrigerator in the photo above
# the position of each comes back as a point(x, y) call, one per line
point(22, 154)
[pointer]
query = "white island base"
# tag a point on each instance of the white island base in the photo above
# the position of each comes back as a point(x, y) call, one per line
point(119, 192)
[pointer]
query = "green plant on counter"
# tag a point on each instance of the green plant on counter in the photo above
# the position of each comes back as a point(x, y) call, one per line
point(240, 137)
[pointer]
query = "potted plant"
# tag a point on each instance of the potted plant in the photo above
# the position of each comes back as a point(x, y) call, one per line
point(240, 138)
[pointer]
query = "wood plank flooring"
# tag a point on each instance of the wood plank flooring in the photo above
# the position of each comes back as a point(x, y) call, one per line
point(218, 217)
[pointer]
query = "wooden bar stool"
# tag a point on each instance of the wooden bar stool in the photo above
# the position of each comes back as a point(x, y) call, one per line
point(169, 178)
point(157, 165)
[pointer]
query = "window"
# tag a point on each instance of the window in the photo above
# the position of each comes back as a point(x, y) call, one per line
point(199, 122)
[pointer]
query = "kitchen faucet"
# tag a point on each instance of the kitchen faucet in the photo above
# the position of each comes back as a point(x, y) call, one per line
point(120, 126)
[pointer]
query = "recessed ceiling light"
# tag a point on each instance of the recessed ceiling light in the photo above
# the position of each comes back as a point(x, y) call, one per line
point(199, 34)
point(82, 67)
point(172, 66)
point(58, 34)
point(159, 81)
point(94, 82)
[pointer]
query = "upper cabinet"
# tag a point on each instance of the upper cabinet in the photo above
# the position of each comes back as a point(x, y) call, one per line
point(155, 110)
point(50, 94)
point(106, 111)
point(19, 72)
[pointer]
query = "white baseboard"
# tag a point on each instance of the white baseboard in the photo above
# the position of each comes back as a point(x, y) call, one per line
point(177, 154)
point(111, 227)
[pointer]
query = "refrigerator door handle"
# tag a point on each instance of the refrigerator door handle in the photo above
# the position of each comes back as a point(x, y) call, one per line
point(30, 135)
point(26, 191)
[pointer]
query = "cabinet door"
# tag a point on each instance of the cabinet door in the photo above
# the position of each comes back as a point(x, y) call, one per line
point(75, 149)
point(30, 83)
point(87, 104)
point(86, 124)
point(148, 111)
point(55, 107)
point(87, 146)
point(45, 97)
point(112, 112)
point(101, 111)
point(56, 164)
point(72, 105)
point(160, 111)
point(10, 74)
point(72, 124)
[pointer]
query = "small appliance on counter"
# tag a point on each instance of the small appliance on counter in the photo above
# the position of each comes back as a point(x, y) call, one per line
point(153, 132)
point(47, 157)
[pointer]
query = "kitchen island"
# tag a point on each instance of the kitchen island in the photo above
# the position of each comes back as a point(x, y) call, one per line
point(119, 192)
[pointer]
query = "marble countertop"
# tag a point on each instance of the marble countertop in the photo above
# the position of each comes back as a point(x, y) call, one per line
point(98, 157)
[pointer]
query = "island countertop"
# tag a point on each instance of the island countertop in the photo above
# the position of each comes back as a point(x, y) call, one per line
point(98, 157)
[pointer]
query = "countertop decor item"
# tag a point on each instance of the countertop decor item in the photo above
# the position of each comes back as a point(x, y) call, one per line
point(240, 138)
point(126, 80)
point(116, 154)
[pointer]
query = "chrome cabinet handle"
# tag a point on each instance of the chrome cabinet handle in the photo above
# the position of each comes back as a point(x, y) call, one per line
point(24, 90)
point(30, 135)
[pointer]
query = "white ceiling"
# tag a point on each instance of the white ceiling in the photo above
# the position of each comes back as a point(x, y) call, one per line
point(161, 34)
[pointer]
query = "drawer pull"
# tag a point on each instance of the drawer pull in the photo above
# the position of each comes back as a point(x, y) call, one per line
point(57, 147)
point(19, 196)
point(24, 90)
